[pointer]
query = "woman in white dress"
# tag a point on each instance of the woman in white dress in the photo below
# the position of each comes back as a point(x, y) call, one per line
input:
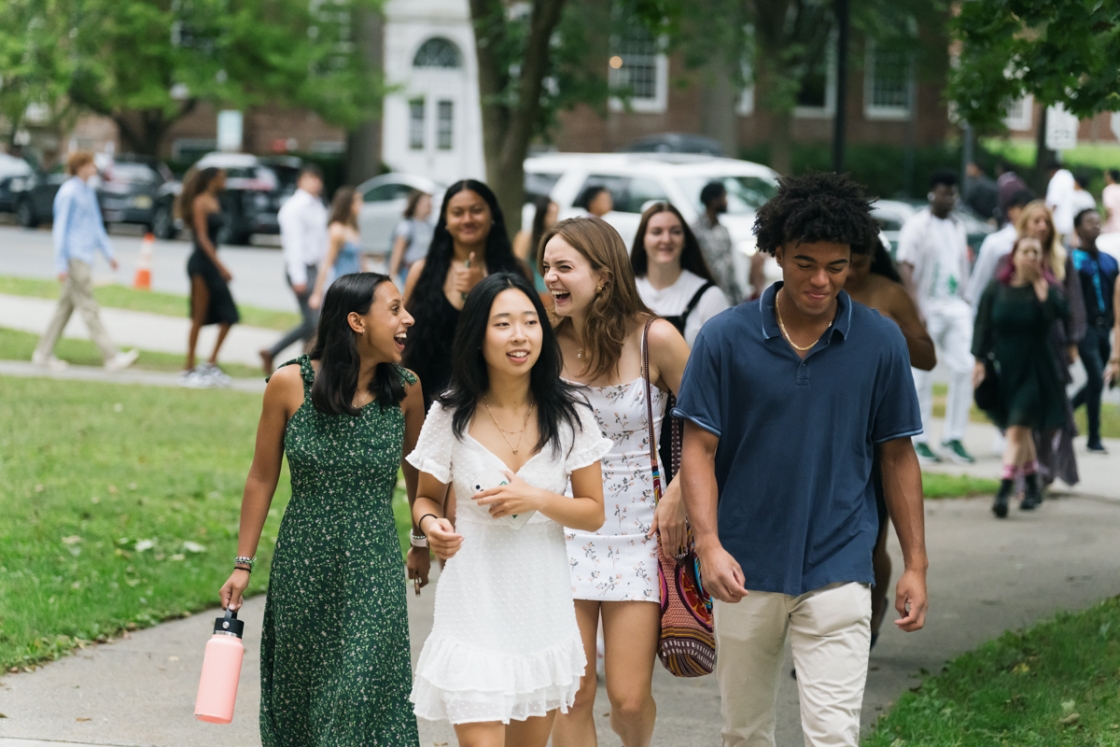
point(669, 270)
point(505, 652)
point(600, 325)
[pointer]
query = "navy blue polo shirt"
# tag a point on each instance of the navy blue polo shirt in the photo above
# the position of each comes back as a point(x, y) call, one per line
point(797, 438)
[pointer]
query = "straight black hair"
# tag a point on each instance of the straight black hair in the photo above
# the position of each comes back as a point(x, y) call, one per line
point(555, 399)
point(946, 177)
point(588, 196)
point(883, 264)
point(336, 349)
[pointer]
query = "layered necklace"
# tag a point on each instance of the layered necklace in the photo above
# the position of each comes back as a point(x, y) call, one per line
point(520, 434)
point(785, 333)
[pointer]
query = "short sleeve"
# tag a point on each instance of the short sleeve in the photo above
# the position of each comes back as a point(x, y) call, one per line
point(896, 413)
point(403, 230)
point(711, 303)
point(908, 244)
point(589, 445)
point(433, 449)
point(699, 399)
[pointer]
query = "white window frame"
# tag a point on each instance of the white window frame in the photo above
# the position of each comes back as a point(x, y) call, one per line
point(829, 108)
point(1022, 120)
point(872, 111)
point(409, 120)
point(660, 100)
point(441, 104)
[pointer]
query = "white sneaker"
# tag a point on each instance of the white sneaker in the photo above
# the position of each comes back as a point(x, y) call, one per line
point(195, 379)
point(121, 361)
point(48, 362)
point(217, 376)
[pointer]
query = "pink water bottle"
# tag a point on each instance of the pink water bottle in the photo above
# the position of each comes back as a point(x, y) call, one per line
point(221, 668)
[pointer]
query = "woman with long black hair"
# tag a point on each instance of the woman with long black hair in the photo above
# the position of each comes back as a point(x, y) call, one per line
point(470, 242)
point(211, 301)
point(335, 657)
point(505, 652)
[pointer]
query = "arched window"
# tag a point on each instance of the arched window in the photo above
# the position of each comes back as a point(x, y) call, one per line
point(438, 52)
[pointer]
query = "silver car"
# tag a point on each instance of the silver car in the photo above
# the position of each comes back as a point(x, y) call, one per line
point(383, 202)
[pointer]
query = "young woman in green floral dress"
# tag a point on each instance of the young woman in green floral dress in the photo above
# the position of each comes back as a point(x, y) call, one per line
point(335, 666)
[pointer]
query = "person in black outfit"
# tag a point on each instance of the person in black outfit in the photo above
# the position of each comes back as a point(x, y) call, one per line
point(1097, 272)
point(210, 300)
point(470, 242)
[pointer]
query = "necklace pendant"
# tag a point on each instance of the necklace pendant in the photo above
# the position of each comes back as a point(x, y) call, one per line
point(515, 451)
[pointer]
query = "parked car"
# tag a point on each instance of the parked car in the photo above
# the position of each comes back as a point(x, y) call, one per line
point(891, 215)
point(35, 202)
point(637, 179)
point(13, 175)
point(138, 190)
point(383, 202)
point(252, 197)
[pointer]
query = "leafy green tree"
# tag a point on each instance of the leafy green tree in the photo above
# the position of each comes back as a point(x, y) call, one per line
point(31, 72)
point(1064, 52)
point(148, 63)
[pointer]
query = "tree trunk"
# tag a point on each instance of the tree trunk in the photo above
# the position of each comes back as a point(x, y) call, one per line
point(719, 105)
point(363, 143)
point(1044, 158)
point(508, 128)
point(781, 142)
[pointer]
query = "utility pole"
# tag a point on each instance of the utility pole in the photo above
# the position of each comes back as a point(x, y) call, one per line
point(839, 117)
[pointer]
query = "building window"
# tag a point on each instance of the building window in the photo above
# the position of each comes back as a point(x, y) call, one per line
point(416, 124)
point(816, 97)
point(888, 81)
point(1020, 114)
point(638, 70)
point(445, 125)
point(438, 52)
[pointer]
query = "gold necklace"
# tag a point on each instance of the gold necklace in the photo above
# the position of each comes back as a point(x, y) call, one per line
point(785, 334)
point(579, 353)
point(521, 433)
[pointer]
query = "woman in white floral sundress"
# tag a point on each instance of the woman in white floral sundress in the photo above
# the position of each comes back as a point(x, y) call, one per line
point(505, 652)
point(601, 319)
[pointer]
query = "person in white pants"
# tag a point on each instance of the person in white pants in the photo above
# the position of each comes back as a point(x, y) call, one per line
point(934, 262)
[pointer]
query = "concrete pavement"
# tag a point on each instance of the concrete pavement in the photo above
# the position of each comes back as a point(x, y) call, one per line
point(986, 576)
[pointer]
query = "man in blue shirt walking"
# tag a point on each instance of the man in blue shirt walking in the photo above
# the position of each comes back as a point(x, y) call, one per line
point(1097, 272)
point(78, 234)
point(787, 401)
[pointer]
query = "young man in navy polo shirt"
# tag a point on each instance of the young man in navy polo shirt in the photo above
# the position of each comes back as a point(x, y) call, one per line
point(787, 401)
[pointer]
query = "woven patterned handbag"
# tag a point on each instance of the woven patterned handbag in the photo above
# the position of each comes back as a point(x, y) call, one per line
point(688, 644)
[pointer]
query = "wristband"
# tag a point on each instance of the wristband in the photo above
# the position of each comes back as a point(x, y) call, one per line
point(418, 540)
point(420, 524)
point(243, 568)
point(242, 560)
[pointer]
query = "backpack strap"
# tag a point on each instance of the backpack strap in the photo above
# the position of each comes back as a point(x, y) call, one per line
point(693, 302)
point(655, 469)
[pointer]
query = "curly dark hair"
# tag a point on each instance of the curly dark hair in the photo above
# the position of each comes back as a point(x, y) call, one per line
point(818, 206)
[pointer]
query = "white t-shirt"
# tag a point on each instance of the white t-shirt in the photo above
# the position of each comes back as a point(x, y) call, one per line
point(937, 248)
point(672, 301)
point(996, 246)
point(1059, 198)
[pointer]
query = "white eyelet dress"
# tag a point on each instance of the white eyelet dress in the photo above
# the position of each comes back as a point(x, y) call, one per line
point(618, 563)
point(504, 645)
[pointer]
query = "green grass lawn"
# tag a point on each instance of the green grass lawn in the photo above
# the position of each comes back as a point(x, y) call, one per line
point(1110, 414)
point(18, 346)
point(122, 297)
point(1054, 685)
point(1023, 151)
point(120, 508)
point(937, 485)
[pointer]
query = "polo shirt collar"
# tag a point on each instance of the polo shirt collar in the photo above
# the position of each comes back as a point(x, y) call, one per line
point(842, 325)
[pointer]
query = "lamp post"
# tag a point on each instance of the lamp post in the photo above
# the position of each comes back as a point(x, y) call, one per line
point(839, 116)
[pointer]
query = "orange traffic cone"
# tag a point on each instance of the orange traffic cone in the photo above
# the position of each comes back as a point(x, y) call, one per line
point(143, 279)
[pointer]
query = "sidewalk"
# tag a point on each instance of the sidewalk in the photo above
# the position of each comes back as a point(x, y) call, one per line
point(26, 369)
point(986, 576)
point(139, 329)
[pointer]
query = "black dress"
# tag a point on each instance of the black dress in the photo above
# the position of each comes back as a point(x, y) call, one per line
point(1013, 328)
point(221, 308)
point(428, 353)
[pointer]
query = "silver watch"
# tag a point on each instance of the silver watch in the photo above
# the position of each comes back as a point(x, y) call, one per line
point(419, 540)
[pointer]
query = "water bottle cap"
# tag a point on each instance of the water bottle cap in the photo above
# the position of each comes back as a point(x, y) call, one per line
point(228, 624)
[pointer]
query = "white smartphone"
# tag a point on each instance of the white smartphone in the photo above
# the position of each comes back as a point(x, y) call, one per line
point(515, 520)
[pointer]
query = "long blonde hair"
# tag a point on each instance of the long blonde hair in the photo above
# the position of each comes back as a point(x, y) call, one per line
point(1051, 247)
point(617, 306)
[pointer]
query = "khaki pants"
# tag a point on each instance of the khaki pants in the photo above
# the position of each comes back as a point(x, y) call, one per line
point(830, 634)
point(77, 293)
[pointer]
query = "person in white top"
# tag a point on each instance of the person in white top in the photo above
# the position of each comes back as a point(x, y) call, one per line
point(669, 269)
point(934, 262)
point(1110, 198)
point(505, 652)
point(1059, 198)
point(996, 246)
point(304, 239)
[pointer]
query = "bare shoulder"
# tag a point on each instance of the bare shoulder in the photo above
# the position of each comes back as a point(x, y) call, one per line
point(338, 230)
point(662, 332)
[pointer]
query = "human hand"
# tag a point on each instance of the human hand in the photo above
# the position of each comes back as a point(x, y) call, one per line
point(911, 601)
point(299, 288)
point(464, 279)
point(722, 575)
point(315, 301)
point(62, 276)
point(418, 563)
point(669, 519)
point(233, 589)
point(978, 374)
point(114, 264)
point(442, 538)
point(226, 274)
point(515, 497)
point(1112, 372)
point(1041, 288)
